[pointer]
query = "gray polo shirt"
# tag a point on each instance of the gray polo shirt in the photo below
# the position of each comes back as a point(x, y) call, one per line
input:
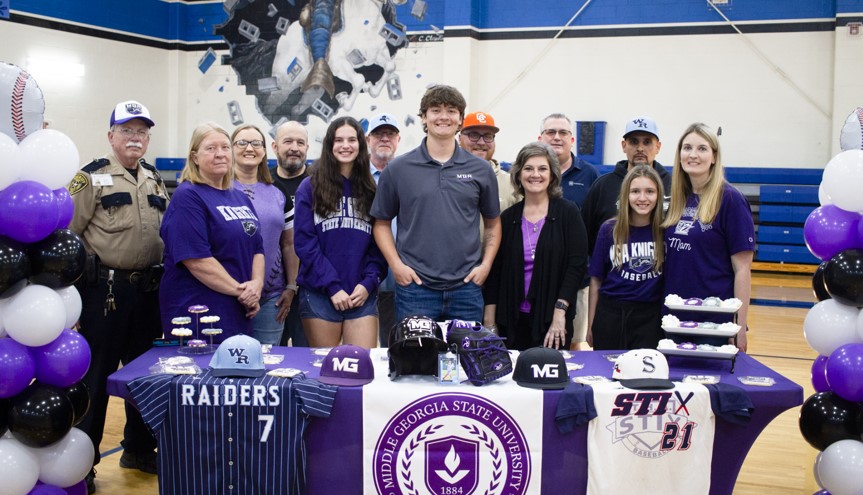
point(437, 207)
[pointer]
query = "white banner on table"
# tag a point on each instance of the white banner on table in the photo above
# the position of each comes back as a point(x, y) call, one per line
point(423, 438)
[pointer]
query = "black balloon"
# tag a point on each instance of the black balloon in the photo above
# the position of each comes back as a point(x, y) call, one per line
point(79, 395)
point(14, 263)
point(843, 277)
point(40, 415)
point(57, 260)
point(818, 283)
point(826, 418)
point(4, 410)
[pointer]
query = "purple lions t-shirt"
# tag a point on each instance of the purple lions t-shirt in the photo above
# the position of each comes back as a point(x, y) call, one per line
point(698, 256)
point(635, 280)
point(204, 222)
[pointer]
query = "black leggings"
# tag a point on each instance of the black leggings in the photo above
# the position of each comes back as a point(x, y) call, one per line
point(625, 325)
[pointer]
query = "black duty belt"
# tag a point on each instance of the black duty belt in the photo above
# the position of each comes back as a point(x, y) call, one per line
point(147, 278)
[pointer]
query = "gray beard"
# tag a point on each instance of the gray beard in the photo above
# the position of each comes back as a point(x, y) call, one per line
point(290, 167)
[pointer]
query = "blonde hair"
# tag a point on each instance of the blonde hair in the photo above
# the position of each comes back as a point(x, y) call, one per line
point(263, 167)
point(191, 172)
point(681, 184)
point(620, 232)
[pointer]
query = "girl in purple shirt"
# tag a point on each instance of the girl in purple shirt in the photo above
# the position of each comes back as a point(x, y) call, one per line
point(624, 302)
point(340, 264)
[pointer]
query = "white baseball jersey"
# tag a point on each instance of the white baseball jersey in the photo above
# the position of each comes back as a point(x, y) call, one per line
point(238, 436)
point(650, 441)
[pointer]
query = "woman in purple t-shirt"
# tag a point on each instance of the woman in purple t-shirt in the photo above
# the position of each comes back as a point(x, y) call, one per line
point(709, 232)
point(624, 304)
point(340, 264)
point(276, 214)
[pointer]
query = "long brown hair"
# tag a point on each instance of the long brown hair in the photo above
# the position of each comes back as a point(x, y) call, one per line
point(326, 178)
point(620, 233)
point(681, 184)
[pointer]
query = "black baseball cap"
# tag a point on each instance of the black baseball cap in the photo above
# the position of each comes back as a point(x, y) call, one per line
point(541, 367)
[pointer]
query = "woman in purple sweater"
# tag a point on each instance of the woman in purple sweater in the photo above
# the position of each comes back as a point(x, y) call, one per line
point(340, 265)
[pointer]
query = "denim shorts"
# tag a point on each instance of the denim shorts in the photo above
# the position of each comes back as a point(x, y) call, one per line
point(314, 304)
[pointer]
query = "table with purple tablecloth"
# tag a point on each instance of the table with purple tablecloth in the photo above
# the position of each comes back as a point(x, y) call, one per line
point(335, 462)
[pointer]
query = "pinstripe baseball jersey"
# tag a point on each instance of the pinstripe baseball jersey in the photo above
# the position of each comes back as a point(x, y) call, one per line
point(238, 436)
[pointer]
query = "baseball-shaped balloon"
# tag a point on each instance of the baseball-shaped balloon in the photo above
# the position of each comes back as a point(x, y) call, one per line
point(843, 180)
point(48, 157)
point(851, 137)
point(21, 102)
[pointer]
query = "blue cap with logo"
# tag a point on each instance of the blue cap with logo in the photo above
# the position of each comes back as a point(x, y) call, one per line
point(642, 124)
point(541, 367)
point(347, 365)
point(239, 356)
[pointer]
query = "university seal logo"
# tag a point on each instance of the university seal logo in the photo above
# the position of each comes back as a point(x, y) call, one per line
point(451, 444)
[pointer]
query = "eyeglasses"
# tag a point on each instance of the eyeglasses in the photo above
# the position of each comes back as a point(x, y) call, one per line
point(127, 133)
point(474, 137)
point(242, 143)
point(550, 133)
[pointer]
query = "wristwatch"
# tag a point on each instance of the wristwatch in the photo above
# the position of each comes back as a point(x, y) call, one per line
point(561, 305)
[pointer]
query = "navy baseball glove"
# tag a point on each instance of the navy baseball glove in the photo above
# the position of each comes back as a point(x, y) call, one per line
point(481, 353)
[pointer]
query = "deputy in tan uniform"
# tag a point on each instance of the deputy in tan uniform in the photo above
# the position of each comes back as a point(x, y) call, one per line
point(477, 136)
point(119, 203)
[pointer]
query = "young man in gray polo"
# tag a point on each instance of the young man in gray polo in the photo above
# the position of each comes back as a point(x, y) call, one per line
point(438, 192)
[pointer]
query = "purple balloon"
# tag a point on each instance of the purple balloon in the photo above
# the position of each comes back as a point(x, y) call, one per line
point(63, 361)
point(43, 489)
point(819, 374)
point(830, 229)
point(844, 371)
point(17, 367)
point(28, 211)
point(79, 488)
point(65, 207)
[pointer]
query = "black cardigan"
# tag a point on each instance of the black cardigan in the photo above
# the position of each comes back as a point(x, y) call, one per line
point(559, 267)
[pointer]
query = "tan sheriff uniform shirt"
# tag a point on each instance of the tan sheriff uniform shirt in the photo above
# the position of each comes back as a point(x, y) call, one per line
point(117, 216)
point(504, 186)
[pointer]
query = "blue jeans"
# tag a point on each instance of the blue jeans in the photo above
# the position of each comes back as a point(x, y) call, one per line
point(266, 329)
point(463, 302)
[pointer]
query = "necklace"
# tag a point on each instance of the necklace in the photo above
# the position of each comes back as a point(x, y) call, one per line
point(532, 228)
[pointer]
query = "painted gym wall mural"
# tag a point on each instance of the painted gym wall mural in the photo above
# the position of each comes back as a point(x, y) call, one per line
point(313, 57)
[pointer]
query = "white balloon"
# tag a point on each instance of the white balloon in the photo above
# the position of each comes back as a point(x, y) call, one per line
point(830, 324)
point(72, 302)
point(823, 198)
point(10, 161)
point(840, 466)
point(3, 303)
point(843, 180)
point(48, 157)
point(815, 470)
point(35, 316)
point(66, 462)
point(19, 468)
point(19, 121)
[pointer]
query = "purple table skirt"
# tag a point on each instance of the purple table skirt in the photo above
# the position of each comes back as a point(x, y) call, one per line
point(337, 441)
